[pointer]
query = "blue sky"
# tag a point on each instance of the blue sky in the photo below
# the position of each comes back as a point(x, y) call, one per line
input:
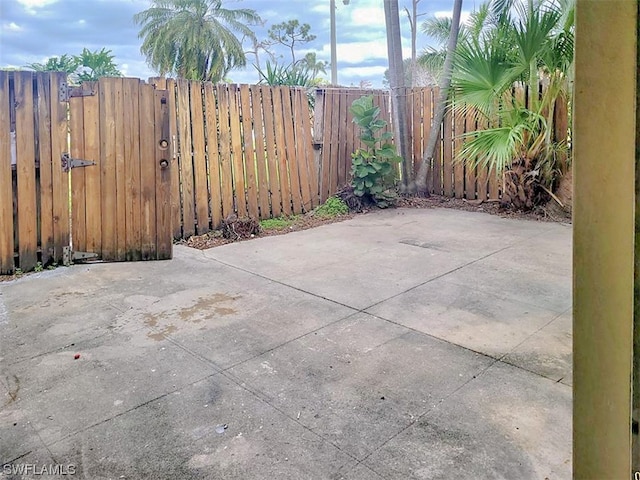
point(33, 30)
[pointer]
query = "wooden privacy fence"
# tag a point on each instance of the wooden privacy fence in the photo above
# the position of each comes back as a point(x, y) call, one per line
point(176, 157)
point(337, 137)
point(239, 150)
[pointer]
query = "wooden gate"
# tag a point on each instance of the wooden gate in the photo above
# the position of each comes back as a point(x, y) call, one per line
point(121, 200)
point(113, 136)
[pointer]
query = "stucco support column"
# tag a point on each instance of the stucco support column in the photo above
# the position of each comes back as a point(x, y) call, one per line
point(604, 196)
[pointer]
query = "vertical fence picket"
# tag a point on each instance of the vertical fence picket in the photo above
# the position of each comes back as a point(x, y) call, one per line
point(78, 180)
point(326, 145)
point(92, 175)
point(176, 207)
point(108, 167)
point(148, 172)
point(6, 182)
point(470, 189)
point(200, 179)
point(335, 143)
point(239, 184)
point(185, 159)
point(163, 175)
point(260, 151)
point(46, 165)
point(26, 171)
point(458, 166)
point(283, 174)
point(213, 154)
point(292, 162)
point(272, 161)
point(250, 158)
point(447, 153)
point(226, 174)
point(133, 215)
point(483, 171)
point(120, 171)
point(303, 146)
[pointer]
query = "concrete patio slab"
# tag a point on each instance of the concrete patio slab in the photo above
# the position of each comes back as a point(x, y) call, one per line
point(376, 275)
point(258, 442)
point(466, 316)
point(548, 351)
point(61, 395)
point(517, 282)
point(398, 344)
point(360, 380)
point(231, 325)
point(504, 424)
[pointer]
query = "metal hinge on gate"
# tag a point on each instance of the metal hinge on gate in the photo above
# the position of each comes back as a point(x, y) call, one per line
point(69, 256)
point(67, 91)
point(68, 163)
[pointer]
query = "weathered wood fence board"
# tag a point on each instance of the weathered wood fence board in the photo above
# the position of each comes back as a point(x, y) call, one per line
point(6, 179)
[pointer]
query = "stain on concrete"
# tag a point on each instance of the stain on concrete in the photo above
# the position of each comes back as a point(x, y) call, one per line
point(205, 308)
point(12, 384)
point(162, 334)
point(206, 304)
point(150, 320)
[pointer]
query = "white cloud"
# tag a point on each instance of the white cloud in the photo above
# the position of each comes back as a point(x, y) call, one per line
point(366, 16)
point(360, 52)
point(12, 27)
point(36, 3)
point(464, 16)
point(31, 6)
point(363, 72)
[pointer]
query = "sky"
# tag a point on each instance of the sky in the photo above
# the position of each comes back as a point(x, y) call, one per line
point(34, 30)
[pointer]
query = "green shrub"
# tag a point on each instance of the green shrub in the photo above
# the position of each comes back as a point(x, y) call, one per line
point(332, 208)
point(372, 169)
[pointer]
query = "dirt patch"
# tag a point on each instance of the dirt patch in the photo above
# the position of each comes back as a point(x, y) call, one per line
point(550, 213)
point(301, 222)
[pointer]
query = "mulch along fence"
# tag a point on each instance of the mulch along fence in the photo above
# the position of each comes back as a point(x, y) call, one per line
point(233, 150)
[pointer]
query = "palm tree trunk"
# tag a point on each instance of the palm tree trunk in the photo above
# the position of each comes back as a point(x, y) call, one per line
point(445, 83)
point(397, 82)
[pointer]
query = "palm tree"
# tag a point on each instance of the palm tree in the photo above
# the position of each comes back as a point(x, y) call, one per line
point(312, 64)
point(527, 44)
point(96, 64)
point(65, 63)
point(396, 82)
point(194, 39)
point(420, 184)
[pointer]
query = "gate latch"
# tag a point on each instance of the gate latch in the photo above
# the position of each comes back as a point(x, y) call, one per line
point(68, 163)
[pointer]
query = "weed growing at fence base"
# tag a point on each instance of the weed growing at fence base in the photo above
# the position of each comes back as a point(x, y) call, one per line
point(332, 208)
point(279, 223)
